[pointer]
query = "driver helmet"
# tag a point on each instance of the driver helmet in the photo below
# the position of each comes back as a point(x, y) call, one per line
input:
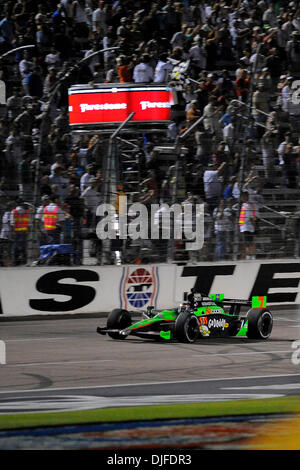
point(183, 307)
point(198, 297)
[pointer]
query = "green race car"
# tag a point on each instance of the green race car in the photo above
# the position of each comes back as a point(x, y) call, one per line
point(200, 317)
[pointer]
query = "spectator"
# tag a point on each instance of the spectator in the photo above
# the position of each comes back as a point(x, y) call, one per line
point(76, 210)
point(53, 222)
point(60, 181)
point(25, 65)
point(242, 86)
point(13, 152)
point(270, 17)
point(24, 177)
point(45, 188)
point(62, 121)
point(162, 69)
point(193, 113)
point(268, 154)
point(25, 120)
point(202, 95)
point(221, 228)
point(212, 185)
point(34, 83)
point(229, 187)
point(86, 177)
point(58, 18)
point(143, 72)
point(211, 117)
point(290, 166)
point(179, 38)
point(198, 57)
point(99, 20)
point(6, 235)
point(80, 20)
point(39, 219)
point(13, 104)
point(293, 52)
point(92, 199)
point(124, 71)
point(224, 85)
point(247, 221)
point(260, 104)
point(264, 81)
point(19, 221)
point(286, 93)
point(53, 58)
point(281, 151)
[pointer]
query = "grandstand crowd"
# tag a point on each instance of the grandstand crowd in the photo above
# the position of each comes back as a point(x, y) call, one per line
point(237, 65)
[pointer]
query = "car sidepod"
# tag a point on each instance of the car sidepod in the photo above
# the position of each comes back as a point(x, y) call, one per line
point(214, 321)
point(219, 325)
point(161, 326)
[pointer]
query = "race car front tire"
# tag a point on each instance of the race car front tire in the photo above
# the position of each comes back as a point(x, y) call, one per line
point(260, 323)
point(118, 319)
point(186, 328)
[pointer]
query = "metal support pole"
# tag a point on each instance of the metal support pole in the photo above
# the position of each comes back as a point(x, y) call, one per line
point(236, 244)
point(177, 150)
point(110, 183)
point(109, 175)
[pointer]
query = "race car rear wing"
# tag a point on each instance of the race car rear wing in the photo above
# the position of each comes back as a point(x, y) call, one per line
point(255, 302)
point(247, 303)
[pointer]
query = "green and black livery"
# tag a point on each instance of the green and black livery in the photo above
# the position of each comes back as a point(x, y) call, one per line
point(210, 317)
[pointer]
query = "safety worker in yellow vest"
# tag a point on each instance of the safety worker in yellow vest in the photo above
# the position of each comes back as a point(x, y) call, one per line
point(39, 219)
point(19, 221)
point(53, 220)
point(247, 221)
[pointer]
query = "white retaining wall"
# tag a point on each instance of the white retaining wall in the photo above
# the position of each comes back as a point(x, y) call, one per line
point(54, 290)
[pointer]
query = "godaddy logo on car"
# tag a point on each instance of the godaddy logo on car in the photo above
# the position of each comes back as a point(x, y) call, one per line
point(214, 323)
point(157, 221)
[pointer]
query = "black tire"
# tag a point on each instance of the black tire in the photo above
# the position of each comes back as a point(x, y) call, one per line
point(260, 323)
point(118, 319)
point(187, 327)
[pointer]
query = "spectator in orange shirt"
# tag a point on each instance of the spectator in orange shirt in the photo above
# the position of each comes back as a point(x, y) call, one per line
point(193, 112)
point(124, 72)
point(242, 86)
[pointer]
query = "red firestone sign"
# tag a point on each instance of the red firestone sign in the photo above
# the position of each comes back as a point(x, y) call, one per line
point(113, 104)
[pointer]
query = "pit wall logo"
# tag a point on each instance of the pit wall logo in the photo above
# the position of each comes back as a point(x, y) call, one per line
point(139, 288)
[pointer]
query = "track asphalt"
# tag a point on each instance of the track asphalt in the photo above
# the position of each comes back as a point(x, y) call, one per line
point(63, 364)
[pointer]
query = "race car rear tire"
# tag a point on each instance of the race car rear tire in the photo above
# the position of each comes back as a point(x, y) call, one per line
point(186, 328)
point(118, 319)
point(260, 323)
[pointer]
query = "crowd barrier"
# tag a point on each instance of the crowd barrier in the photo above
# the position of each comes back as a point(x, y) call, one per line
point(86, 290)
